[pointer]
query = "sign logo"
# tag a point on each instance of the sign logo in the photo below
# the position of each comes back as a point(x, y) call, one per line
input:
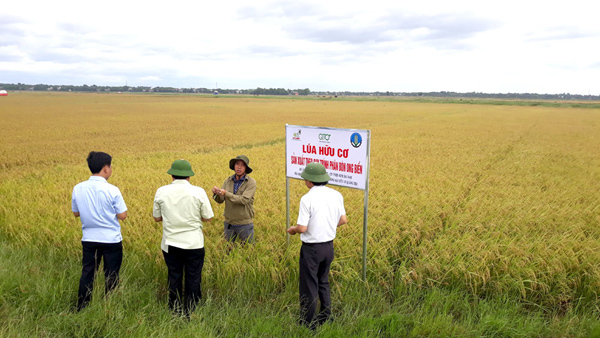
point(324, 137)
point(356, 140)
point(296, 136)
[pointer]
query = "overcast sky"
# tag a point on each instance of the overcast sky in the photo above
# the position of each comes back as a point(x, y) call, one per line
point(401, 46)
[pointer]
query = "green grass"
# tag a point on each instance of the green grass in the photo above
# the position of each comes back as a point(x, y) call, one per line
point(38, 297)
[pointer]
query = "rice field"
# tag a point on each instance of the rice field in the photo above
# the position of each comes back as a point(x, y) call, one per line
point(484, 218)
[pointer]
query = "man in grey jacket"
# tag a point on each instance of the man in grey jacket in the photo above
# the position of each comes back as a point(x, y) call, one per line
point(238, 194)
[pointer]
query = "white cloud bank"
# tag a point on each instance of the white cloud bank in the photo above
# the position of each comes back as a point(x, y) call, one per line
point(463, 46)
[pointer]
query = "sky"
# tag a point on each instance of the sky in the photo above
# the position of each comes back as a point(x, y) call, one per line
point(525, 46)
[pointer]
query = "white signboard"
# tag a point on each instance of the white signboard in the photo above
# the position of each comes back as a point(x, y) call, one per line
point(343, 152)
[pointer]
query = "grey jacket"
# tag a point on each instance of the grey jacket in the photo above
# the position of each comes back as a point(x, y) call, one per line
point(239, 207)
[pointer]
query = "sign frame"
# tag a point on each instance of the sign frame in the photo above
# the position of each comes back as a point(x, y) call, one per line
point(365, 170)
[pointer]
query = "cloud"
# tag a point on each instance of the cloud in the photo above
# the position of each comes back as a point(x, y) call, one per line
point(273, 51)
point(9, 19)
point(561, 33)
point(365, 26)
point(75, 29)
point(286, 10)
point(8, 57)
point(12, 30)
point(149, 79)
point(326, 45)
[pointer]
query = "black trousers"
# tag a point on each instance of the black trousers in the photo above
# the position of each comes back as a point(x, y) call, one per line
point(186, 263)
point(315, 260)
point(93, 254)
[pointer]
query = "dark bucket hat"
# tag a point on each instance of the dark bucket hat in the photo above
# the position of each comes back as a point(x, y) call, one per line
point(242, 158)
point(181, 168)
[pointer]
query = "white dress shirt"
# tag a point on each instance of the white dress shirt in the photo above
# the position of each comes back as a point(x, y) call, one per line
point(320, 210)
point(98, 203)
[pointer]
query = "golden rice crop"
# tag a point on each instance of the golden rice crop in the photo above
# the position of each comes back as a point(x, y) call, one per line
point(491, 199)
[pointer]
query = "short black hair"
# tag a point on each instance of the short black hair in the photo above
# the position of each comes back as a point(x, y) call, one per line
point(179, 177)
point(97, 160)
point(320, 183)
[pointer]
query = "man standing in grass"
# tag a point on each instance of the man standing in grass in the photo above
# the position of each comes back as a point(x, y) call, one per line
point(321, 212)
point(182, 207)
point(100, 206)
point(238, 194)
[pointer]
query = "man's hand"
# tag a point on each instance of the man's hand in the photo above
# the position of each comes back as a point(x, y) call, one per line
point(122, 215)
point(298, 229)
point(217, 191)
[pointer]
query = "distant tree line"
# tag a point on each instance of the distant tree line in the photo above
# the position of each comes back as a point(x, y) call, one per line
point(140, 89)
point(283, 91)
point(95, 88)
point(481, 95)
point(279, 91)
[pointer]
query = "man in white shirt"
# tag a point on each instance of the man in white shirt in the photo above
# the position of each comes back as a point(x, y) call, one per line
point(182, 208)
point(100, 206)
point(321, 212)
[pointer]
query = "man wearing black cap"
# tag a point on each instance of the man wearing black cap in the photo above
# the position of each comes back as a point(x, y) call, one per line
point(321, 212)
point(182, 208)
point(238, 194)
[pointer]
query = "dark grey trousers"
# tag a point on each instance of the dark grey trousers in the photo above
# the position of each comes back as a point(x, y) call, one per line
point(315, 260)
point(244, 233)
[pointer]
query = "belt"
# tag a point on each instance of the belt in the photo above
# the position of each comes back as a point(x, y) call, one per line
point(229, 225)
point(319, 243)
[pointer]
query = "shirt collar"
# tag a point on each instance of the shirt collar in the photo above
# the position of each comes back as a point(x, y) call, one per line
point(98, 178)
point(180, 182)
point(243, 178)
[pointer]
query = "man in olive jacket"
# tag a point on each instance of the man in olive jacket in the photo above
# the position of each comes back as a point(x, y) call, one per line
point(238, 194)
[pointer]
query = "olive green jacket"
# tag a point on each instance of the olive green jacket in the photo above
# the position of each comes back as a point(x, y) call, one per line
point(239, 207)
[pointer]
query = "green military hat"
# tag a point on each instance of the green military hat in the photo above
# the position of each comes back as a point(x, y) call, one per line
point(315, 172)
point(181, 168)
